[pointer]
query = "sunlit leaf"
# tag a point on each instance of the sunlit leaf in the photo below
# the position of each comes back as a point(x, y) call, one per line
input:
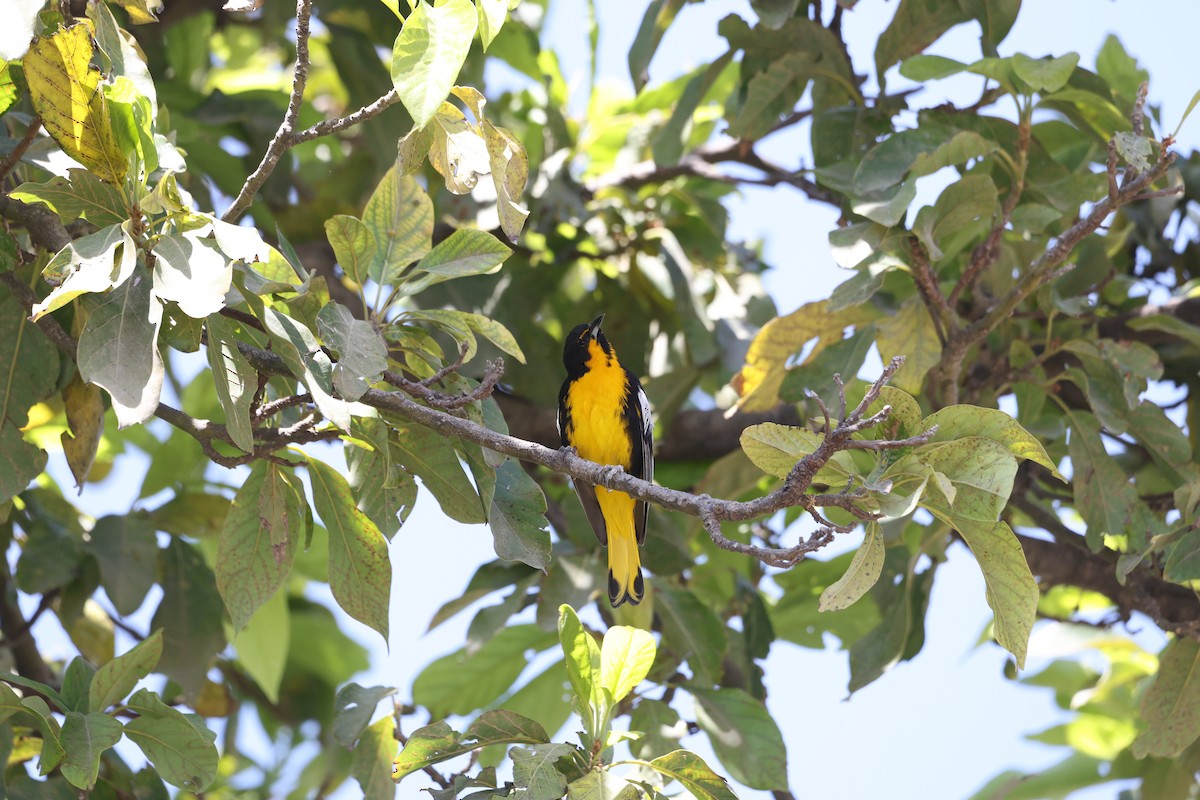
point(65, 90)
point(429, 52)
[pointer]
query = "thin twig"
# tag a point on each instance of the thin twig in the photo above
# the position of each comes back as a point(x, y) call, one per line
point(283, 137)
point(14, 157)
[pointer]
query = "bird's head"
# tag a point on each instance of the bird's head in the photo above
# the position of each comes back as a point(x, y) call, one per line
point(584, 341)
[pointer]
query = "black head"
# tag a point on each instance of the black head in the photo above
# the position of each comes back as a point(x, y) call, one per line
point(579, 344)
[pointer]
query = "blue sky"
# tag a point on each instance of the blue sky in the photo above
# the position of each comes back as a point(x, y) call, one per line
point(934, 728)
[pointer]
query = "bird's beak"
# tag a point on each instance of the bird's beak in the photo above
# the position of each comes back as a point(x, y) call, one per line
point(594, 328)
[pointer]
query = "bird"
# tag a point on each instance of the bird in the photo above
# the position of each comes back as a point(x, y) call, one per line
point(604, 414)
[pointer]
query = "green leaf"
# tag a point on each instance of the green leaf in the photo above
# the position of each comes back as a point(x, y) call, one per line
point(905, 419)
point(492, 14)
point(192, 272)
point(249, 567)
point(301, 351)
point(361, 351)
point(1171, 706)
point(467, 251)
point(117, 678)
point(582, 657)
point(963, 210)
point(1012, 593)
point(385, 491)
point(924, 67)
point(126, 548)
point(626, 656)
point(744, 737)
point(910, 332)
point(887, 207)
point(399, 215)
point(775, 449)
point(668, 144)
point(919, 23)
point(181, 750)
point(862, 574)
point(262, 644)
point(772, 93)
point(428, 54)
point(87, 264)
point(693, 775)
point(1186, 113)
point(460, 683)
point(29, 364)
point(10, 703)
point(432, 458)
point(189, 614)
point(372, 763)
point(518, 517)
point(21, 461)
point(956, 422)
point(234, 379)
point(77, 679)
point(425, 747)
point(534, 770)
point(1104, 496)
point(658, 17)
point(353, 708)
point(79, 195)
point(353, 246)
point(887, 163)
point(1120, 70)
point(83, 738)
point(52, 752)
point(503, 726)
point(692, 631)
point(360, 574)
point(660, 726)
point(602, 786)
point(16, 680)
point(118, 349)
point(1045, 74)
point(1167, 324)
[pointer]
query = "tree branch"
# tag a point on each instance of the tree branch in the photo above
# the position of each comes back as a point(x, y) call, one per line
point(699, 163)
point(14, 157)
point(284, 136)
point(1044, 269)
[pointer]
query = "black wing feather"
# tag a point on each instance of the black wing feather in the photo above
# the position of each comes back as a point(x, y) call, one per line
point(641, 431)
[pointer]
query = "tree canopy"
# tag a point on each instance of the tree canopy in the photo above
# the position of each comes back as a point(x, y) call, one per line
point(242, 242)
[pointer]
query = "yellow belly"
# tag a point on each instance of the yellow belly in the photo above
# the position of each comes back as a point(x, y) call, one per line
point(597, 423)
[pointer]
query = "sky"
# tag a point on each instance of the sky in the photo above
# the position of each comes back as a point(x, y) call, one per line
point(937, 727)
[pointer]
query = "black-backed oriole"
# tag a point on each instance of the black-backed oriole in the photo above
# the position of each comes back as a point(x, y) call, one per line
point(604, 414)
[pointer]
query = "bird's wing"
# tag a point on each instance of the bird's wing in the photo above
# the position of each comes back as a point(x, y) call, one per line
point(591, 507)
point(642, 431)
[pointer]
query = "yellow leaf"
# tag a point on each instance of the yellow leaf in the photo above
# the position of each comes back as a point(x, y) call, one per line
point(783, 337)
point(910, 333)
point(65, 90)
point(143, 11)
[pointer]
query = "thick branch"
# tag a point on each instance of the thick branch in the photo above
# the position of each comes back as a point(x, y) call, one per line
point(1173, 607)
